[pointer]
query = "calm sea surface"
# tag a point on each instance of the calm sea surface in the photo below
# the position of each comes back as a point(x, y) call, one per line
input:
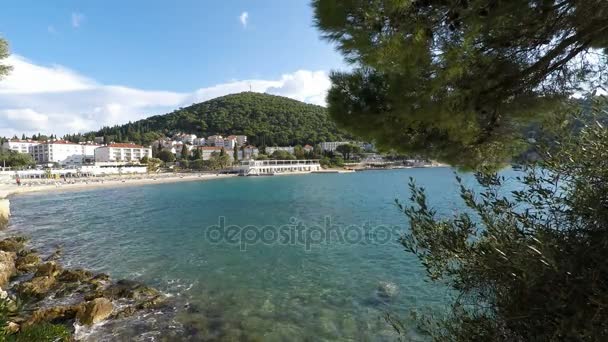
point(311, 257)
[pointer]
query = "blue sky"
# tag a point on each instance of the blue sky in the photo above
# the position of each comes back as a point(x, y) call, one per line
point(177, 52)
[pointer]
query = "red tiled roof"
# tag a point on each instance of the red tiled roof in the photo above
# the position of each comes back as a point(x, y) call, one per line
point(24, 141)
point(59, 142)
point(125, 145)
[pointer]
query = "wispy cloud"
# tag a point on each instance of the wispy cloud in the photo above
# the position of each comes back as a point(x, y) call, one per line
point(244, 18)
point(54, 99)
point(77, 19)
point(51, 29)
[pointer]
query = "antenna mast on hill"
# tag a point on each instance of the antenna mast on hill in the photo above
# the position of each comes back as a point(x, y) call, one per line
point(250, 87)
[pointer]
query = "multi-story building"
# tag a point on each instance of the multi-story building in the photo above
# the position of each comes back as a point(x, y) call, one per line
point(271, 150)
point(207, 151)
point(186, 138)
point(17, 145)
point(122, 153)
point(63, 152)
point(165, 143)
point(179, 147)
point(241, 140)
point(248, 152)
point(88, 153)
point(230, 142)
point(215, 140)
point(331, 146)
point(199, 141)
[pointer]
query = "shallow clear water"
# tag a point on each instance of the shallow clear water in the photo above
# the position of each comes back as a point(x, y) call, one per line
point(277, 287)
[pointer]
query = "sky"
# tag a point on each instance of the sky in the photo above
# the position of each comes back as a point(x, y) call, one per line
point(81, 65)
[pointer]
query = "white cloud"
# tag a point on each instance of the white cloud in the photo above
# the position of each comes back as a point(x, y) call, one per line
point(244, 18)
point(55, 99)
point(77, 19)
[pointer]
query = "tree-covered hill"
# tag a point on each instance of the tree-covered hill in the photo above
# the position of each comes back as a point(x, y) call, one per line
point(266, 119)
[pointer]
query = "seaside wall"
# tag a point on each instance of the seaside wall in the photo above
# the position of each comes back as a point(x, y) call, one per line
point(5, 212)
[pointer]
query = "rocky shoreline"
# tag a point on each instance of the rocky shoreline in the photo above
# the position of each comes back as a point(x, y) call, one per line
point(37, 290)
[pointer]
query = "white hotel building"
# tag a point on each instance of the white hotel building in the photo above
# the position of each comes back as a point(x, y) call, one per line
point(122, 153)
point(63, 152)
point(17, 145)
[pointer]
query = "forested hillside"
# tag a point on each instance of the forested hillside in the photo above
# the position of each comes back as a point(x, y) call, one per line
point(266, 119)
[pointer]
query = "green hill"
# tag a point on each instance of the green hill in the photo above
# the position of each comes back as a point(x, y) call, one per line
point(266, 119)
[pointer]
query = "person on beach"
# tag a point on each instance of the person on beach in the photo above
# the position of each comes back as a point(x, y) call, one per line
point(18, 180)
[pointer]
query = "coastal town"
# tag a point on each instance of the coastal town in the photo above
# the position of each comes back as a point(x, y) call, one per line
point(60, 158)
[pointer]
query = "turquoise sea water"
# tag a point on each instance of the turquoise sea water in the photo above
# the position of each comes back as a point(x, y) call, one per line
point(258, 281)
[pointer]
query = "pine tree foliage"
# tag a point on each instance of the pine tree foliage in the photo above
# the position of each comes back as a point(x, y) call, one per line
point(457, 79)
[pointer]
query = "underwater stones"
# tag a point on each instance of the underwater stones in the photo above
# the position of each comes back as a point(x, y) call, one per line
point(95, 311)
point(56, 254)
point(125, 312)
point(48, 269)
point(130, 289)
point(13, 244)
point(349, 326)
point(387, 290)
point(268, 307)
point(327, 323)
point(282, 332)
point(150, 303)
point(7, 267)
point(252, 323)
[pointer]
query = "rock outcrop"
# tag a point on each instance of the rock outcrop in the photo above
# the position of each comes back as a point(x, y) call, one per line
point(95, 311)
point(13, 244)
point(28, 261)
point(37, 287)
point(40, 283)
point(5, 212)
point(7, 267)
point(48, 269)
point(57, 314)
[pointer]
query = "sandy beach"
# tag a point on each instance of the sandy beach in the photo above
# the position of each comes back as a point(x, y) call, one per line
point(32, 185)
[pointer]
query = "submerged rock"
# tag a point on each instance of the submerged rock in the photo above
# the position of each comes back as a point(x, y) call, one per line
point(130, 289)
point(56, 254)
point(7, 267)
point(95, 311)
point(387, 290)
